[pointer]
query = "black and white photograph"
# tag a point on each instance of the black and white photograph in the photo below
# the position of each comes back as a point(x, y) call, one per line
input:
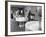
point(25, 18)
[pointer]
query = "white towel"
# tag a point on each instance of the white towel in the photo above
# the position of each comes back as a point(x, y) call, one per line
point(32, 25)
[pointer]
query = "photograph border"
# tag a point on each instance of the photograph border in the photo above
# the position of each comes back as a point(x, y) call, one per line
point(6, 18)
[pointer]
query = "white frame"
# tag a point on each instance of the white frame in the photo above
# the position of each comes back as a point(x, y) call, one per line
point(27, 32)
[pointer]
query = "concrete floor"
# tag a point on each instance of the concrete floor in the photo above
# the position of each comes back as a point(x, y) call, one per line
point(15, 27)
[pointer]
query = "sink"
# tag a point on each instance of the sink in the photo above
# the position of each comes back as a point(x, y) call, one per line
point(21, 19)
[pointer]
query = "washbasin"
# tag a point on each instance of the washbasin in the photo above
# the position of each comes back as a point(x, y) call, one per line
point(21, 19)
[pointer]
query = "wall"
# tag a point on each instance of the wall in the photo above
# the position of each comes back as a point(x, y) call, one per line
point(2, 18)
